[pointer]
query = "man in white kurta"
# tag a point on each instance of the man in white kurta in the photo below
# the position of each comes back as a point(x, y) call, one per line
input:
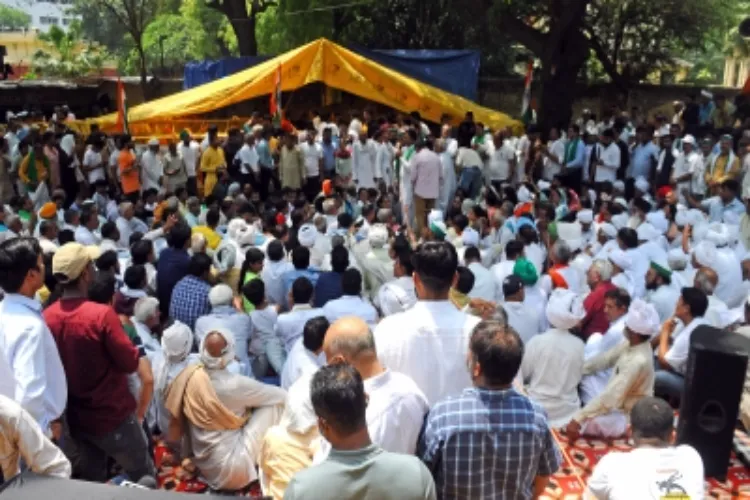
point(398, 295)
point(430, 342)
point(521, 316)
point(632, 380)
point(364, 167)
point(152, 169)
point(299, 363)
point(553, 361)
point(659, 290)
point(227, 459)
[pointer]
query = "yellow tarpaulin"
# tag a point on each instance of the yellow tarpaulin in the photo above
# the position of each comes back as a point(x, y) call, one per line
point(318, 61)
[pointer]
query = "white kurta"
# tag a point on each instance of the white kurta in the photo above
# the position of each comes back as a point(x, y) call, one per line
point(596, 344)
point(448, 163)
point(152, 170)
point(300, 363)
point(290, 326)
point(384, 162)
point(228, 459)
point(363, 164)
point(664, 300)
point(524, 319)
point(484, 283)
point(396, 296)
point(552, 367)
point(428, 343)
point(350, 305)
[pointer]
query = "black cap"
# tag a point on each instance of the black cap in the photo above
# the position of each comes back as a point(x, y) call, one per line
point(511, 285)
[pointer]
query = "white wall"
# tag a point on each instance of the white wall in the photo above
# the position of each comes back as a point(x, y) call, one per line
point(44, 13)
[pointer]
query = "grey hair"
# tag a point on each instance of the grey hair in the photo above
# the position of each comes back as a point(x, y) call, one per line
point(703, 283)
point(145, 308)
point(353, 346)
point(328, 205)
point(320, 224)
point(337, 241)
point(221, 295)
point(498, 216)
point(384, 214)
point(603, 268)
point(507, 208)
point(198, 243)
point(500, 315)
point(561, 251)
point(193, 200)
point(124, 206)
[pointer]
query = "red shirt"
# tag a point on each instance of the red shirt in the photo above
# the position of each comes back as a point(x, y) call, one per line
point(97, 356)
point(595, 320)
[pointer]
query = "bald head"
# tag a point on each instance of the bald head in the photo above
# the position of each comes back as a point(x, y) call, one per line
point(706, 280)
point(349, 339)
point(215, 344)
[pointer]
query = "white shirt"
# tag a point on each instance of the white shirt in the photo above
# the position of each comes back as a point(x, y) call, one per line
point(484, 282)
point(552, 168)
point(22, 438)
point(290, 325)
point(677, 355)
point(467, 158)
point(524, 319)
point(272, 276)
point(397, 296)
point(86, 237)
point(349, 305)
point(248, 159)
point(93, 158)
point(31, 353)
point(384, 161)
point(152, 170)
point(363, 164)
point(610, 156)
point(592, 385)
point(664, 300)
point(48, 246)
point(428, 343)
point(189, 155)
point(299, 363)
point(717, 313)
point(551, 368)
point(729, 271)
point(638, 474)
point(312, 153)
point(499, 162)
point(500, 271)
point(536, 298)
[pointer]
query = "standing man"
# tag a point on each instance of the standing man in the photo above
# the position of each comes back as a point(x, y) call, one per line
point(265, 159)
point(426, 179)
point(328, 147)
point(665, 162)
point(502, 161)
point(189, 151)
point(313, 155)
point(645, 157)
point(25, 340)
point(722, 166)
point(364, 169)
point(608, 159)
point(490, 441)
point(213, 163)
point(248, 159)
point(152, 168)
point(575, 152)
point(291, 164)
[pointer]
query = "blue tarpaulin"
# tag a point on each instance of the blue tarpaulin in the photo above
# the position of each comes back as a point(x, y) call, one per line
point(455, 71)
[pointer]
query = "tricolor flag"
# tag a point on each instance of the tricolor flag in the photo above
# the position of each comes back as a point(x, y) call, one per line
point(527, 113)
point(276, 111)
point(122, 107)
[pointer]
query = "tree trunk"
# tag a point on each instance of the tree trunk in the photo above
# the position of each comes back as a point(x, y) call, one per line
point(244, 28)
point(145, 88)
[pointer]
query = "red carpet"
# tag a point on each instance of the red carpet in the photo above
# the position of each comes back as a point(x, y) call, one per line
point(580, 461)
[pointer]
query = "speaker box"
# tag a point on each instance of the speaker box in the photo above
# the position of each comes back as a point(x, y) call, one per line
point(714, 378)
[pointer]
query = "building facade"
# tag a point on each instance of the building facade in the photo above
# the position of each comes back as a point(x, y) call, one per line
point(45, 14)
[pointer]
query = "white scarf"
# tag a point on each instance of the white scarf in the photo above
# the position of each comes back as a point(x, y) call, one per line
point(714, 158)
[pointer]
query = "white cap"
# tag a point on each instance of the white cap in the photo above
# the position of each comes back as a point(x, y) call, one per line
point(470, 237)
point(647, 232)
point(153, 142)
point(689, 139)
point(585, 216)
point(620, 259)
point(642, 318)
point(307, 235)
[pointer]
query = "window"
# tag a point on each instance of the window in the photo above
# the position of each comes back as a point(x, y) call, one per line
point(66, 21)
point(48, 20)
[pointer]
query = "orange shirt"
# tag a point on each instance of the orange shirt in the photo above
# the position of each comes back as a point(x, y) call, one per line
point(131, 181)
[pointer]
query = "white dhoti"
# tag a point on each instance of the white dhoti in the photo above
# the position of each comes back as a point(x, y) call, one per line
point(40, 196)
point(611, 425)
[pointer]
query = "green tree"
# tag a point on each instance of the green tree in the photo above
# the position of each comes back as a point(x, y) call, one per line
point(66, 54)
point(243, 17)
point(13, 19)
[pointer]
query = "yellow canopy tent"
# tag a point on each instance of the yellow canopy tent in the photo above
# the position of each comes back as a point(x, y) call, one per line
point(318, 61)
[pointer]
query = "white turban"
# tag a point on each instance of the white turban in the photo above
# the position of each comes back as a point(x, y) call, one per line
point(619, 186)
point(470, 237)
point(677, 259)
point(609, 230)
point(221, 295)
point(647, 232)
point(235, 227)
point(642, 318)
point(225, 257)
point(307, 235)
point(695, 217)
point(177, 342)
point(681, 218)
point(377, 236)
point(641, 184)
point(145, 308)
point(658, 220)
point(620, 220)
point(718, 234)
point(705, 253)
point(523, 194)
point(592, 195)
point(221, 362)
point(542, 185)
point(570, 233)
point(565, 309)
point(620, 259)
point(699, 232)
point(585, 216)
point(434, 216)
point(621, 201)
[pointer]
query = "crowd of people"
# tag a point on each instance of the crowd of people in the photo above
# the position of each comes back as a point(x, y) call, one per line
point(370, 307)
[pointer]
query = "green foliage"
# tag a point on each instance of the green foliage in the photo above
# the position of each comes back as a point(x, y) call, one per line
point(13, 19)
point(66, 54)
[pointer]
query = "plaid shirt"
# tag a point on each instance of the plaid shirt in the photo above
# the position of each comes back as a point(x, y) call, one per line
point(189, 300)
point(487, 444)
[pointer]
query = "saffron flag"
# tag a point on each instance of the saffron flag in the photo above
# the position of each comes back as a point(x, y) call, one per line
point(122, 108)
point(527, 113)
point(276, 111)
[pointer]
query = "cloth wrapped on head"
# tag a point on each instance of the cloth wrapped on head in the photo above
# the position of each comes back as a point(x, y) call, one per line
point(642, 318)
point(565, 309)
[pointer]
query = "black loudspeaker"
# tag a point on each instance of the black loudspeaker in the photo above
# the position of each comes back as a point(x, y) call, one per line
point(714, 378)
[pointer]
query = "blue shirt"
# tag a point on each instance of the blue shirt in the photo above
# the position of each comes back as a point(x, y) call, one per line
point(643, 160)
point(577, 161)
point(705, 111)
point(190, 300)
point(487, 444)
point(171, 268)
point(291, 276)
point(329, 154)
point(264, 154)
point(717, 208)
point(329, 287)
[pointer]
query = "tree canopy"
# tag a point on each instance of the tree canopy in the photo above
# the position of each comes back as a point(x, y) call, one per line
point(66, 54)
point(13, 19)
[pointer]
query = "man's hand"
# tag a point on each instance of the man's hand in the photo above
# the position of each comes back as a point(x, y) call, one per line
point(56, 429)
point(573, 431)
point(170, 222)
point(668, 327)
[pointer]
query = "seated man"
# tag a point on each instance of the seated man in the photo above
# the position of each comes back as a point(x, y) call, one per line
point(616, 304)
point(289, 325)
point(226, 414)
point(553, 361)
point(22, 438)
point(654, 468)
point(306, 355)
point(351, 302)
point(355, 464)
point(633, 378)
point(396, 407)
